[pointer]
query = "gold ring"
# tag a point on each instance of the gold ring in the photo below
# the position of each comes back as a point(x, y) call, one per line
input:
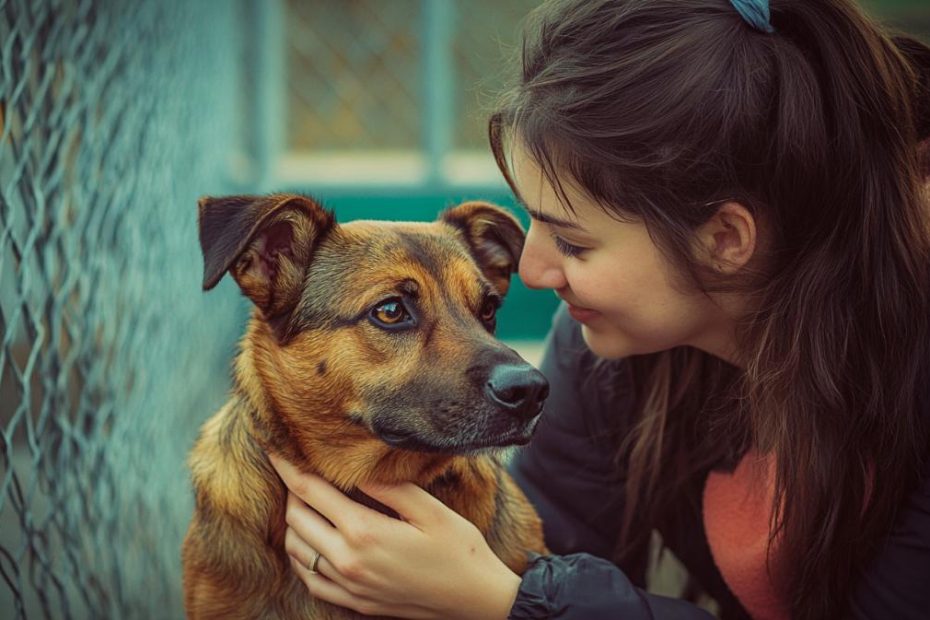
point(313, 565)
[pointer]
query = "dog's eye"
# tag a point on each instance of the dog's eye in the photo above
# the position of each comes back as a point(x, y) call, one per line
point(489, 309)
point(390, 313)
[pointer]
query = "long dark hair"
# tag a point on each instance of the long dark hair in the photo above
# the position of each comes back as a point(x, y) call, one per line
point(663, 109)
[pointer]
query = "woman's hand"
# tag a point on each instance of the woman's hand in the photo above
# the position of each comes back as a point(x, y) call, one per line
point(431, 563)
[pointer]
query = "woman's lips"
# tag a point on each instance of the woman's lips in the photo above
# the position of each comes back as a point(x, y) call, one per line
point(582, 315)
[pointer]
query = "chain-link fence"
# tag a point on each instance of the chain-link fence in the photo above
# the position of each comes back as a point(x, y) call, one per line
point(357, 79)
point(114, 117)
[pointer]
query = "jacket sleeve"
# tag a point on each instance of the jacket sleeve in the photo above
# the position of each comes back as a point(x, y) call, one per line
point(569, 473)
point(583, 587)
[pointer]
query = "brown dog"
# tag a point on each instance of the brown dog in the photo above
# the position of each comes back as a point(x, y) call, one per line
point(370, 356)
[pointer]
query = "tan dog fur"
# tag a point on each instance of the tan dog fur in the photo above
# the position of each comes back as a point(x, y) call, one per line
point(311, 379)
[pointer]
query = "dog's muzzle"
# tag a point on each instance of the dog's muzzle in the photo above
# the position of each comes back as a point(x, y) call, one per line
point(518, 389)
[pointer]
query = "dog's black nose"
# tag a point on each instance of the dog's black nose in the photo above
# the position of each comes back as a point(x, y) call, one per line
point(518, 389)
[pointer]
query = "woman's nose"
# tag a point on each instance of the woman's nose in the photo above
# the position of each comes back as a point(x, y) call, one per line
point(540, 263)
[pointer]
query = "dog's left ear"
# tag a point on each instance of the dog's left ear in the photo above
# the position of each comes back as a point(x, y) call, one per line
point(494, 237)
point(265, 242)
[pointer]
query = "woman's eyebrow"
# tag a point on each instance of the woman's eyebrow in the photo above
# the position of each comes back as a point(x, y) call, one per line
point(548, 219)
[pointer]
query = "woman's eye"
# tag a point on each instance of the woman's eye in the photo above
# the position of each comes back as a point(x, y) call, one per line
point(565, 248)
point(390, 312)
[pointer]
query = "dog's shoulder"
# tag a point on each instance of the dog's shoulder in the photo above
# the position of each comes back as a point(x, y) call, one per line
point(230, 472)
point(238, 516)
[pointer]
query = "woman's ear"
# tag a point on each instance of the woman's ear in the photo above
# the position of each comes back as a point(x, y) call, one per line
point(728, 239)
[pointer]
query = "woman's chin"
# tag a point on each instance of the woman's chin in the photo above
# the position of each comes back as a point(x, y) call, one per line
point(605, 343)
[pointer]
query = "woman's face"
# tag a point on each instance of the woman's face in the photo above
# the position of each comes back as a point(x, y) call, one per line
point(617, 283)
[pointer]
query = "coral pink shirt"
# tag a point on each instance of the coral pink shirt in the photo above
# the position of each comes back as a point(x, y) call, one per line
point(737, 511)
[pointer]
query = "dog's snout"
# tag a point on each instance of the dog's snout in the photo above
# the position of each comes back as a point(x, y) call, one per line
point(519, 389)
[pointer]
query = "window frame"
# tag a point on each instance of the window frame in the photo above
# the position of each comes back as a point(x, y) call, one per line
point(436, 168)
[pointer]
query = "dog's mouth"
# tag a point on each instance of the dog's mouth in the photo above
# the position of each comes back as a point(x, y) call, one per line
point(411, 440)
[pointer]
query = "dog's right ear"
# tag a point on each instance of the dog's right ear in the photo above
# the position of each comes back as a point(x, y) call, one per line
point(494, 237)
point(265, 242)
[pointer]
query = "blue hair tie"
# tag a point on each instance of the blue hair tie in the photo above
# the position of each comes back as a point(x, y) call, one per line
point(755, 13)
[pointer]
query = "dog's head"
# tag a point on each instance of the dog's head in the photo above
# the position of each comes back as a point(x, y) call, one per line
point(369, 337)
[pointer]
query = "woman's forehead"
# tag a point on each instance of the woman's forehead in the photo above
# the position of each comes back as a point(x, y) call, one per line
point(559, 196)
point(564, 200)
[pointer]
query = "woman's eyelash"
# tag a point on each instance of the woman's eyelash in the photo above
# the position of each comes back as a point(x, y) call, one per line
point(565, 248)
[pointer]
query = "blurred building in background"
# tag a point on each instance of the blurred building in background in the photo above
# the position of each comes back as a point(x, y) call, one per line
point(114, 118)
point(379, 108)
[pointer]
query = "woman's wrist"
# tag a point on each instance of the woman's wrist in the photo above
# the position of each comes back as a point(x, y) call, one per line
point(495, 598)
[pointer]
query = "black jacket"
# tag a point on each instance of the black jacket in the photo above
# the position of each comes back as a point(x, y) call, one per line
point(569, 473)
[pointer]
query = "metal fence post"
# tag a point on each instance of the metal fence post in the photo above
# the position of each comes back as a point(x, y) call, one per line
point(437, 83)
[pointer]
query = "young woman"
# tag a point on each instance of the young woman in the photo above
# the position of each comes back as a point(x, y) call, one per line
point(728, 197)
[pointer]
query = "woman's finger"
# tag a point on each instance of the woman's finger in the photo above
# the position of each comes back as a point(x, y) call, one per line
point(412, 503)
point(297, 548)
point(310, 525)
point(328, 590)
point(326, 499)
